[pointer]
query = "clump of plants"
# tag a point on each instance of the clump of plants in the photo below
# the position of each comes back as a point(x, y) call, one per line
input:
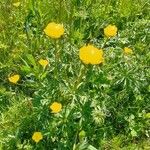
point(75, 77)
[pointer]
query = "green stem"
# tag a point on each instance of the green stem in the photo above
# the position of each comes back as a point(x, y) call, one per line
point(82, 73)
point(60, 10)
point(77, 133)
point(56, 59)
point(70, 21)
point(105, 41)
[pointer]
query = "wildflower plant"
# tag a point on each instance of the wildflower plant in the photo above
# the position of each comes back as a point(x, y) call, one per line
point(74, 75)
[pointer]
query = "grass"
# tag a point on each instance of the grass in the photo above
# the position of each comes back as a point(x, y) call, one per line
point(104, 106)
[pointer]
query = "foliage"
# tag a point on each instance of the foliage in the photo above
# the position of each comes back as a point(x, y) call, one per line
point(104, 106)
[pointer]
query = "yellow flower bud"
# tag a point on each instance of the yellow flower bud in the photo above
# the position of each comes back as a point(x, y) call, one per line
point(14, 79)
point(43, 62)
point(37, 136)
point(128, 50)
point(110, 31)
point(56, 107)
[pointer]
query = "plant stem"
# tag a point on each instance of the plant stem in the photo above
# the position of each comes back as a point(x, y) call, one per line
point(82, 73)
point(70, 22)
point(60, 10)
point(56, 59)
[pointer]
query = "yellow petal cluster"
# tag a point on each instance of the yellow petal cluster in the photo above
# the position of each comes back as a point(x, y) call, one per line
point(37, 136)
point(56, 107)
point(43, 62)
point(91, 55)
point(128, 50)
point(110, 31)
point(54, 30)
point(14, 79)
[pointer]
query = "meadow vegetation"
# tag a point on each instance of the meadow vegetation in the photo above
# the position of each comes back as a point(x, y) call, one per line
point(74, 75)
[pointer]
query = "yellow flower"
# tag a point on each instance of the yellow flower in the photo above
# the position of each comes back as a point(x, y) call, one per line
point(17, 4)
point(56, 107)
point(110, 31)
point(128, 50)
point(54, 30)
point(43, 62)
point(91, 55)
point(14, 79)
point(37, 136)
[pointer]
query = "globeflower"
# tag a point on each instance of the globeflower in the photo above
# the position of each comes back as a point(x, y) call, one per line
point(56, 107)
point(37, 136)
point(54, 30)
point(14, 79)
point(128, 50)
point(110, 31)
point(43, 62)
point(91, 55)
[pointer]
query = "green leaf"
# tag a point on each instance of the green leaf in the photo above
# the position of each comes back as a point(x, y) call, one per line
point(31, 59)
point(133, 133)
point(90, 147)
point(26, 69)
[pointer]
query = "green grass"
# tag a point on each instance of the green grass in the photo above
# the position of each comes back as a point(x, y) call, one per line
point(104, 106)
